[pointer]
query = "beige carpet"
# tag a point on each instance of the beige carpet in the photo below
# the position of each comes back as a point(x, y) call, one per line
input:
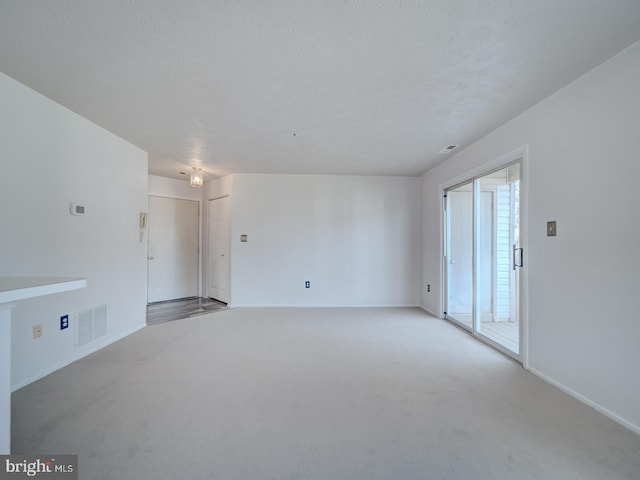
point(354, 394)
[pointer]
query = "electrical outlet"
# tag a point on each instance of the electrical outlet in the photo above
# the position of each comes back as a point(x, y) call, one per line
point(37, 331)
point(428, 288)
point(64, 322)
point(307, 284)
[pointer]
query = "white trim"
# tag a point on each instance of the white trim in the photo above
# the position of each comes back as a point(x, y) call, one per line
point(487, 167)
point(177, 197)
point(219, 197)
point(596, 406)
point(83, 353)
point(444, 290)
point(200, 224)
point(524, 243)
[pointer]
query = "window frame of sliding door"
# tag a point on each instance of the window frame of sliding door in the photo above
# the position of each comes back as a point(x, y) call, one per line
point(446, 255)
point(519, 155)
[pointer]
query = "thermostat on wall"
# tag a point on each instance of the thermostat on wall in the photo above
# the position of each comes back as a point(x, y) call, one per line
point(76, 209)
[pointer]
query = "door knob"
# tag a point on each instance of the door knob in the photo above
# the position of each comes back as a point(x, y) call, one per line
point(150, 258)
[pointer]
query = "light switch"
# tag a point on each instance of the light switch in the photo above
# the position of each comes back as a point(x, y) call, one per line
point(76, 209)
point(551, 228)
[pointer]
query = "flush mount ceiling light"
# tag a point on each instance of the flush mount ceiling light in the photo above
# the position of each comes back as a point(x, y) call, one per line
point(448, 148)
point(197, 179)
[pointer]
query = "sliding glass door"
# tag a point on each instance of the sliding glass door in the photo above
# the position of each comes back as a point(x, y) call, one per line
point(483, 257)
point(459, 206)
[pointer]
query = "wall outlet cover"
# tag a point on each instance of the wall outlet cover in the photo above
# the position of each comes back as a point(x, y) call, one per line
point(551, 228)
point(64, 322)
point(37, 331)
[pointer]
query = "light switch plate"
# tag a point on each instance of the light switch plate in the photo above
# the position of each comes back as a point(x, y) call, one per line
point(76, 209)
point(551, 228)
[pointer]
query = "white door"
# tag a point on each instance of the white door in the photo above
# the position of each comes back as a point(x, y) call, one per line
point(218, 272)
point(172, 264)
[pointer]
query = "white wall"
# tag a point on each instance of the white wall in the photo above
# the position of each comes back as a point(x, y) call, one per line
point(51, 157)
point(172, 188)
point(356, 239)
point(583, 284)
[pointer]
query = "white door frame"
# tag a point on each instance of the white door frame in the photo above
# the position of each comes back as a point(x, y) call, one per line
point(519, 154)
point(176, 197)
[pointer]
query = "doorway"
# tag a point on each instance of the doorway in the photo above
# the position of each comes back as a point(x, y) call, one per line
point(219, 259)
point(173, 252)
point(483, 257)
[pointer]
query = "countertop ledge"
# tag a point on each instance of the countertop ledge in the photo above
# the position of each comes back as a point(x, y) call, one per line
point(13, 289)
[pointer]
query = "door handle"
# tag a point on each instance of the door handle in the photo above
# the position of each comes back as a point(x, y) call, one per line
point(150, 258)
point(518, 257)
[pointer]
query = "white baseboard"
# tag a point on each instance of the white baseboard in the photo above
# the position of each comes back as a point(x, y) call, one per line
point(78, 355)
point(596, 406)
point(429, 311)
point(324, 306)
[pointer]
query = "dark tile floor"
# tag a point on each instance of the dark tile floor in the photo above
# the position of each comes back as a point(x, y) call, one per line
point(162, 312)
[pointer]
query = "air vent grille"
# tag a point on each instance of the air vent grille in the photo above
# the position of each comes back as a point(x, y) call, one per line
point(91, 325)
point(448, 148)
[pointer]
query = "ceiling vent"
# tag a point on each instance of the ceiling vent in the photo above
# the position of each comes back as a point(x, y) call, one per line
point(448, 148)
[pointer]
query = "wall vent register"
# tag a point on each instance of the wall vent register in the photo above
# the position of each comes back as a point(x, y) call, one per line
point(91, 325)
point(448, 148)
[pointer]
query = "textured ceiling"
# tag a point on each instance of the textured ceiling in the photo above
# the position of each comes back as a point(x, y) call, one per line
point(334, 87)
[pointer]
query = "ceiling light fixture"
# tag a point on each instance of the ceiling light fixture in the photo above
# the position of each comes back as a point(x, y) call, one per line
point(197, 179)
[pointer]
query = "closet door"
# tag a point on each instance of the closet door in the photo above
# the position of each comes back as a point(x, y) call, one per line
point(219, 258)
